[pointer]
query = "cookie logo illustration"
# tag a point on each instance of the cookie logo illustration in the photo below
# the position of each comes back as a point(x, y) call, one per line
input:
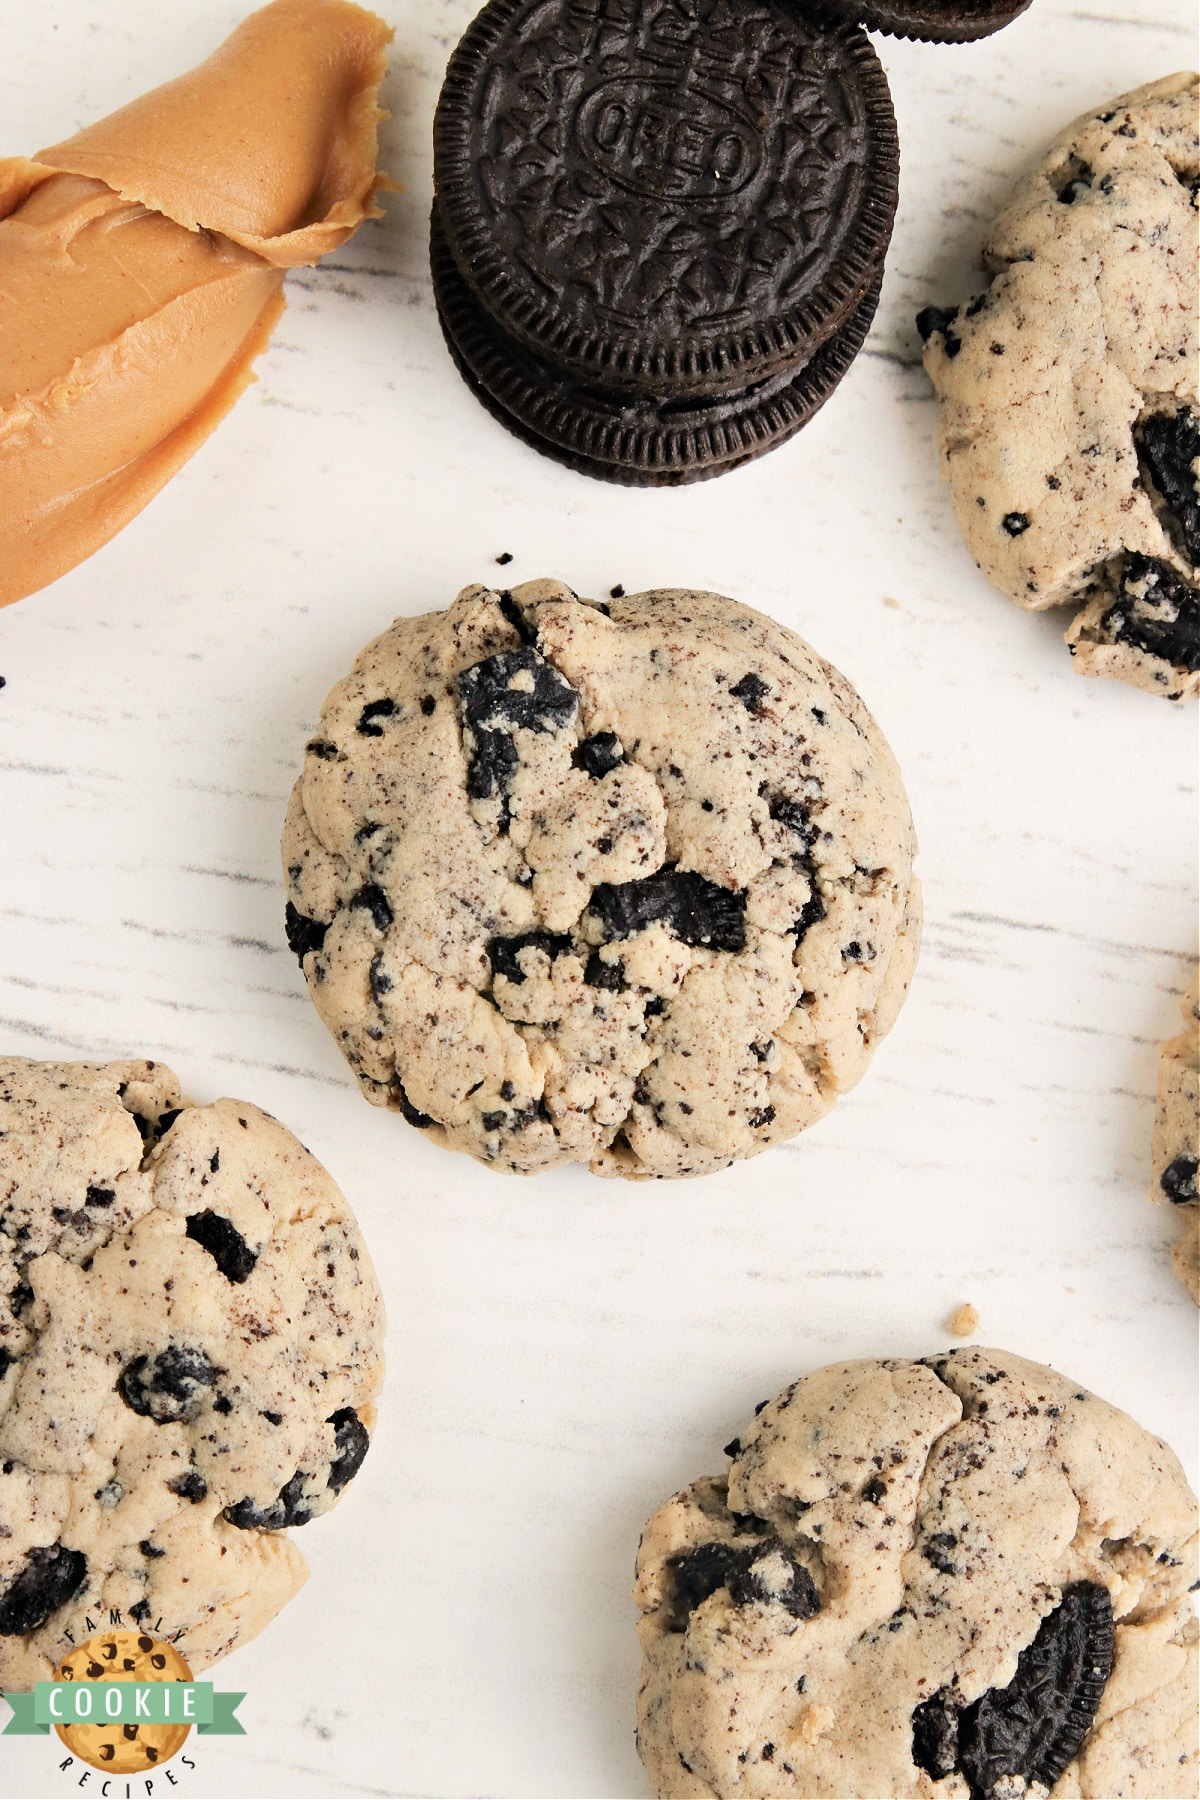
point(129, 1747)
point(123, 1702)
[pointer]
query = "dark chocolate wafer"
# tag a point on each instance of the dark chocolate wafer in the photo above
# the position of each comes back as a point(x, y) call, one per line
point(665, 200)
point(634, 439)
point(934, 21)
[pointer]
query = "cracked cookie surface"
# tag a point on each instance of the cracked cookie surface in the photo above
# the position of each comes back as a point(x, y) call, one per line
point(962, 1578)
point(1175, 1145)
point(1069, 420)
point(626, 884)
point(190, 1342)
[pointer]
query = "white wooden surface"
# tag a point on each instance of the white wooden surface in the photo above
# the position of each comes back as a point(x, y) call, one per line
point(565, 1352)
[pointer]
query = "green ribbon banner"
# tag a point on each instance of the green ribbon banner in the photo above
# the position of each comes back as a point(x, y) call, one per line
point(124, 1702)
point(223, 1723)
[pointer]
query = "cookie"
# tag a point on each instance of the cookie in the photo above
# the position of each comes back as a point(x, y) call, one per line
point(647, 224)
point(1175, 1146)
point(123, 1749)
point(626, 884)
point(629, 439)
point(957, 1576)
point(190, 1341)
point(935, 21)
point(1069, 421)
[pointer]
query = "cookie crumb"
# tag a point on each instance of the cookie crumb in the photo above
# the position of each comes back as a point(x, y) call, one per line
point(616, 593)
point(816, 1722)
point(963, 1322)
point(504, 557)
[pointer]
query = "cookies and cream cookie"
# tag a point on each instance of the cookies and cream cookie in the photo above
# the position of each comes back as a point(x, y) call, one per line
point(1175, 1148)
point(190, 1343)
point(962, 1576)
point(629, 884)
point(1069, 421)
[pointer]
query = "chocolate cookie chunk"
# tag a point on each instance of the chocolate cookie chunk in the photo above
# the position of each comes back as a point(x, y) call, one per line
point(936, 21)
point(191, 1336)
point(645, 880)
point(1146, 616)
point(1036, 1724)
point(965, 1571)
point(762, 1570)
point(1170, 447)
point(650, 221)
point(47, 1577)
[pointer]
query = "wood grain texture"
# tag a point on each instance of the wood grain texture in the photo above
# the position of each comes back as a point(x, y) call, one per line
point(563, 1352)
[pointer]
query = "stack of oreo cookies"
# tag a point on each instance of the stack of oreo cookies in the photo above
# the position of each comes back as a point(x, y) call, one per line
point(659, 227)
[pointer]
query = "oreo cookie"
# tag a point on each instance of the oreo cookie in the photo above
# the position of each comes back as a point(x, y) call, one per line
point(934, 21)
point(658, 235)
point(631, 440)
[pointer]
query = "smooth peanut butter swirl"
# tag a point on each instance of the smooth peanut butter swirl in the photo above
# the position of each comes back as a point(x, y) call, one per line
point(142, 262)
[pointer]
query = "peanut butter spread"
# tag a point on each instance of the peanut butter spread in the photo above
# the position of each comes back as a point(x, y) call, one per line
point(142, 263)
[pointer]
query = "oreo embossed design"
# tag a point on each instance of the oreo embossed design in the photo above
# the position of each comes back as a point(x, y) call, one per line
point(665, 200)
point(635, 135)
